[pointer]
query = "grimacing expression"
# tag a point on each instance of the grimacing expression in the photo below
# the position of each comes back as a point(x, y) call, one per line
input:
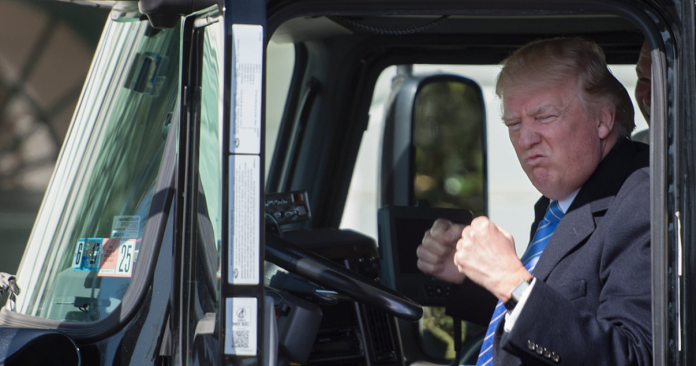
point(558, 145)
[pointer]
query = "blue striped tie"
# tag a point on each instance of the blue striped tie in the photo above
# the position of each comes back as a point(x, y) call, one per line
point(529, 259)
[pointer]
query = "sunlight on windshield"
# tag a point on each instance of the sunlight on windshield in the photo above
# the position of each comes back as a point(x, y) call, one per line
point(81, 257)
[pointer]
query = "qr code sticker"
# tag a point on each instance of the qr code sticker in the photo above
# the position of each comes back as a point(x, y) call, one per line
point(241, 326)
point(240, 338)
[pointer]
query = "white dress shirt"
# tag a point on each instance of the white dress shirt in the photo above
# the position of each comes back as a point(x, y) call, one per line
point(511, 316)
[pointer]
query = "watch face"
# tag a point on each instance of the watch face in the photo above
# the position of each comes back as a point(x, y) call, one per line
point(519, 290)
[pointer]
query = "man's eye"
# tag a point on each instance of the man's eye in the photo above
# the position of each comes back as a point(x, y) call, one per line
point(546, 118)
point(513, 125)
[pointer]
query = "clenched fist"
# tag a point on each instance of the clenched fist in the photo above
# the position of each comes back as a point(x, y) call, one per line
point(486, 254)
point(436, 253)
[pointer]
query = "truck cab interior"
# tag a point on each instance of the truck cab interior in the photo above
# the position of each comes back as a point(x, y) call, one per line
point(279, 161)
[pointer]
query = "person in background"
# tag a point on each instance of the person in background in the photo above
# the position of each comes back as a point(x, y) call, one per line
point(643, 93)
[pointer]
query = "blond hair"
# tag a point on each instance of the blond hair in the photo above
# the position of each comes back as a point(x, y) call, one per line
point(557, 61)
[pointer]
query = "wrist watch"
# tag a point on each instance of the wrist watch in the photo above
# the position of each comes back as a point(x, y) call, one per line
point(516, 294)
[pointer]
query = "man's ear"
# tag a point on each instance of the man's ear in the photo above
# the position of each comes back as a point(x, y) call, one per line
point(607, 117)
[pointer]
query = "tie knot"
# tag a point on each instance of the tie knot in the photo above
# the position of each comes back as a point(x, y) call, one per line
point(554, 214)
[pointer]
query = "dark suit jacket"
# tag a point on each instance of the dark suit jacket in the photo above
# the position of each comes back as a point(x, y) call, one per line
point(591, 304)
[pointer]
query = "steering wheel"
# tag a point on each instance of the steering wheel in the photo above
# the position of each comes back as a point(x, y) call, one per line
point(324, 272)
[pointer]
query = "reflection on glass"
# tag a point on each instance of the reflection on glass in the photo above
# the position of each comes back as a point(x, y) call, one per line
point(85, 245)
point(448, 138)
point(209, 165)
point(437, 331)
point(204, 277)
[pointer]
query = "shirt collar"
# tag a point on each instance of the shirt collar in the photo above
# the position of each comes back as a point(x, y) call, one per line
point(567, 201)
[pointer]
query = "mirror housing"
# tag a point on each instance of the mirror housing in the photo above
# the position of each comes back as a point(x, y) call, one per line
point(21, 347)
point(168, 13)
point(434, 144)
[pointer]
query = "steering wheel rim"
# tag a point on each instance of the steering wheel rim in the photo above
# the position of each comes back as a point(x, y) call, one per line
point(324, 272)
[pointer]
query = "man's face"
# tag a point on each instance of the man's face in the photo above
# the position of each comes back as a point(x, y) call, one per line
point(644, 73)
point(558, 146)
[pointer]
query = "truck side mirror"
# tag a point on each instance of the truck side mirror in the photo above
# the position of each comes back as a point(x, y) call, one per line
point(22, 346)
point(435, 143)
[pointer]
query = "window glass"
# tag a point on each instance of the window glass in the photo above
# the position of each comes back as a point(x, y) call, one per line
point(209, 164)
point(448, 139)
point(80, 261)
point(41, 74)
point(204, 282)
point(360, 212)
point(280, 62)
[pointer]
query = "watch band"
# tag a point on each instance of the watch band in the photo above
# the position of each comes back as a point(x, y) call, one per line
point(516, 294)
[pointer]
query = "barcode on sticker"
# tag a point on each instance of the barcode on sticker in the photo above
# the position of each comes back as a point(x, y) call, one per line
point(240, 339)
point(241, 326)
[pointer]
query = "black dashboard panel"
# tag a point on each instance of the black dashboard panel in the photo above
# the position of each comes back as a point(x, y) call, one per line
point(401, 231)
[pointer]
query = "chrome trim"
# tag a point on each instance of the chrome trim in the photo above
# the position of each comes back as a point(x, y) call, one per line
point(658, 208)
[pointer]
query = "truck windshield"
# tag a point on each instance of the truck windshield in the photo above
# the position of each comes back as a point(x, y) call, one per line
point(82, 253)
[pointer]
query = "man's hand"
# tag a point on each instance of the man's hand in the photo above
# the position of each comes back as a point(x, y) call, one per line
point(486, 254)
point(436, 253)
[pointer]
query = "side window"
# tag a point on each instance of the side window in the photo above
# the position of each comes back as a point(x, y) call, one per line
point(280, 62)
point(360, 212)
point(209, 166)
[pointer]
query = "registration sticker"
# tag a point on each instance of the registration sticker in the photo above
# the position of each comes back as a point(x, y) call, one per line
point(87, 254)
point(125, 227)
point(117, 258)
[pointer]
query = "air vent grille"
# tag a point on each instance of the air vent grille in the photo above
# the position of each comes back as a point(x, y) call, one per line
point(378, 327)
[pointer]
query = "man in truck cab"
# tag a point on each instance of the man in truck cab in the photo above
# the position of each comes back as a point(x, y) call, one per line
point(580, 294)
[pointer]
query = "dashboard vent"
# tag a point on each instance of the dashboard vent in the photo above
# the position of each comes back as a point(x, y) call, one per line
point(382, 342)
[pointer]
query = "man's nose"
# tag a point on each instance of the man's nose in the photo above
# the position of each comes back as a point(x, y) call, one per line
point(529, 136)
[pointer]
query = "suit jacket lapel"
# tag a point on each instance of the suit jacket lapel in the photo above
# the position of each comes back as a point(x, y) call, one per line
point(573, 230)
point(594, 197)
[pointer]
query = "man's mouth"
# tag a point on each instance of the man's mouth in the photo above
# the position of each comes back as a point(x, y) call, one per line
point(533, 159)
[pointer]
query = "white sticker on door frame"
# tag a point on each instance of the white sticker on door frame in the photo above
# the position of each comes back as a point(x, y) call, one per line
point(247, 74)
point(241, 326)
